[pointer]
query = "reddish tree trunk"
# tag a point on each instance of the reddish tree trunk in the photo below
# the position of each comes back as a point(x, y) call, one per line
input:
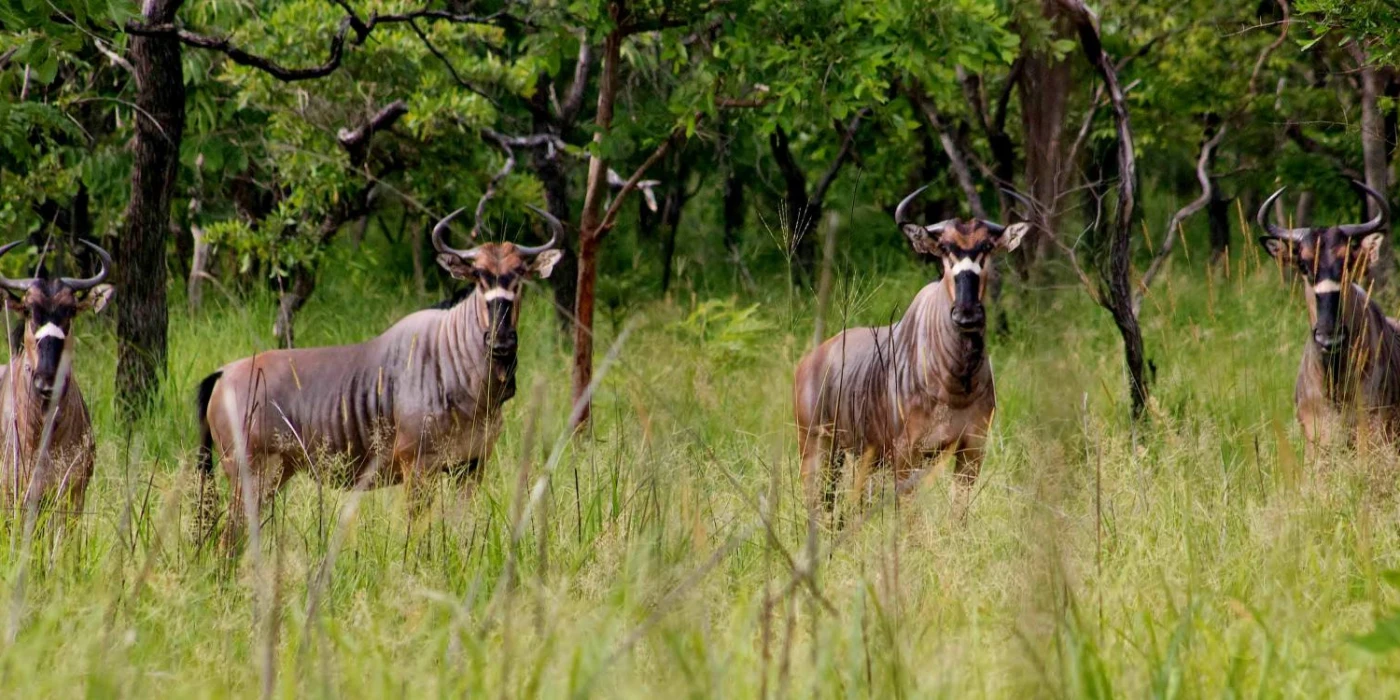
point(590, 227)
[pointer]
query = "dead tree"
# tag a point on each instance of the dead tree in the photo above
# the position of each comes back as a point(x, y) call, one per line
point(1115, 274)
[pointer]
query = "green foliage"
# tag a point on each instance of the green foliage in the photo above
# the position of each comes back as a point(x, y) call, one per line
point(724, 330)
point(1385, 637)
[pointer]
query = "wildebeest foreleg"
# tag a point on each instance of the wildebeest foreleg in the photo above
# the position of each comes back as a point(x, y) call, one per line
point(967, 464)
point(261, 479)
point(819, 465)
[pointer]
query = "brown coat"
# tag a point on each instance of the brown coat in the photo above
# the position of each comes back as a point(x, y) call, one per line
point(421, 397)
point(901, 394)
point(1357, 387)
point(32, 470)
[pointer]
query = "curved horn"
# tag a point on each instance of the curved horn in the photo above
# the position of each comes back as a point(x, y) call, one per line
point(79, 285)
point(18, 285)
point(1262, 217)
point(441, 228)
point(901, 212)
point(1022, 199)
point(556, 231)
point(1373, 225)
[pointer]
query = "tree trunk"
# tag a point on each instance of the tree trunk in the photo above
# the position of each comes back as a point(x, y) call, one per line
point(590, 227)
point(734, 224)
point(295, 292)
point(80, 229)
point(564, 280)
point(798, 217)
point(1373, 148)
point(824, 281)
point(199, 264)
point(1218, 215)
point(420, 278)
point(1115, 273)
point(139, 264)
point(672, 204)
point(1044, 88)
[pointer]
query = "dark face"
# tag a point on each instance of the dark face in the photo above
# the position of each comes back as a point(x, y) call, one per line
point(499, 271)
point(48, 308)
point(965, 248)
point(1331, 263)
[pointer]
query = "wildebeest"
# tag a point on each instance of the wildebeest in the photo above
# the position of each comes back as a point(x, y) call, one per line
point(423, 397)
point(901, 395)
point(47, 434)
point(1350, 373)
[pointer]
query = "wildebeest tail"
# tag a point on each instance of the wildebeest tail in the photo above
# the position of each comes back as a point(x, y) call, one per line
point(206, 436)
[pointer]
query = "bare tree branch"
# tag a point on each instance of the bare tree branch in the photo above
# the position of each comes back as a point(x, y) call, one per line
point(666, 20)
point(1115, 272)
point(450, 68)
point(243, 58)
point(1264, 54)
point(842, 155)
point(1004, 99)
point(496, 179)
point(573, 98)
point(356, 141)
point(961, 173)
point(610, 217)
point(362, 28)
point(1168, 234)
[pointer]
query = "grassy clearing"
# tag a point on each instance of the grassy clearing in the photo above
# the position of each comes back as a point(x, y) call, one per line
point(1199, 555)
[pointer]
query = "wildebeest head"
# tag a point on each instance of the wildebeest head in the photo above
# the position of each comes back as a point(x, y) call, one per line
point(964, 247)
point(1330, 258)
point(48, 306)
point(498, 270)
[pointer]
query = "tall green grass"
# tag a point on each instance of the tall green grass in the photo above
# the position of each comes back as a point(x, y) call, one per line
point(665, 552)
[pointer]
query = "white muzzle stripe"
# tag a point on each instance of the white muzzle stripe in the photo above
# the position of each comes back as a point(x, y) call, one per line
point(497, 293)
point(49, 330)
point(1327, 287)
point(966, 265)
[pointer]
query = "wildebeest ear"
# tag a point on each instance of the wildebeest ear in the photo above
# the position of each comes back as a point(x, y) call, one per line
point(1281, 248)
point(921, 240)
point(1011, 237)
point(13, 303)
point(1371, 247)
point(97, 298)
point(455, 266)
point(543, 263)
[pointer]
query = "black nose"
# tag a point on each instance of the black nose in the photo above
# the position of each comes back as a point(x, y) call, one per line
point(1328, 342)
point(43, 384)
point(969, 317)
point(504, 343)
